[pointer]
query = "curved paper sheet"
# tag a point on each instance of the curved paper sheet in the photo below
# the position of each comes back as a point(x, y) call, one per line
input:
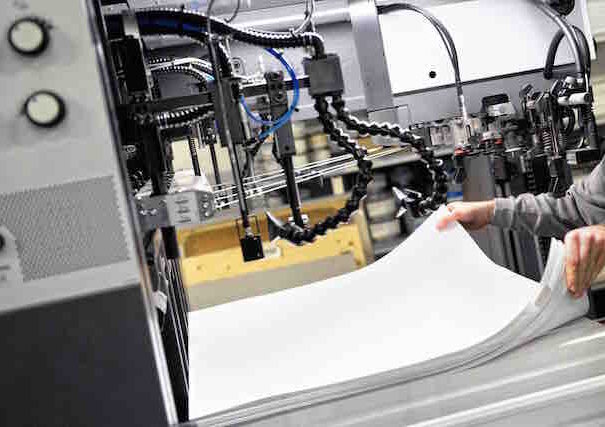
point(435, 303)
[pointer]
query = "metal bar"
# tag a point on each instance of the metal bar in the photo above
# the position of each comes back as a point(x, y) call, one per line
point(220, 103)
point(194, 159)
point(372, 61)
point(217, 173)
point(292, 190)
point(201, 99)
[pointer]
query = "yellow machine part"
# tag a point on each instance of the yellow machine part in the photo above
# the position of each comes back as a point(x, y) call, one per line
point(212, 252)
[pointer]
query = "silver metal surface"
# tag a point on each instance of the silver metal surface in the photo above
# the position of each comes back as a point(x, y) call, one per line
point(371, 56)
point(60, 229)
point(78, 150)
point(373, 65)
point(552, 381)
point(69, 183)
point(190, 201)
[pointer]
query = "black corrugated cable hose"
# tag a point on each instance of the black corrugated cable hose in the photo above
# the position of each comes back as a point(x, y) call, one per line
point(191, 24)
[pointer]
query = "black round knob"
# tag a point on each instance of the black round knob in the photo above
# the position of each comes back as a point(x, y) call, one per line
point(28, 36)
point(44, 108)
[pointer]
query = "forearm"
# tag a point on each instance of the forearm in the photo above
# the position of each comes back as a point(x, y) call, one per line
point(547, 216)
point(541, 215)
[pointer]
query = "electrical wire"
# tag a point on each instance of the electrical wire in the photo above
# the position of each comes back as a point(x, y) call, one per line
point(196, 25)
point(309, 12)
point(209, 15)
point(235, 12)
point(570, 35)
point(554, 47)
point(437, 24)
point(447, 39)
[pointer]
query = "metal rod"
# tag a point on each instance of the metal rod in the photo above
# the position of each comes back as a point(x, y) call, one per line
point(278, 173)
point(217, 171)
point(226, 134)
point(303, 178)
point(257, 192)
point(292, 191)
point(194, 159)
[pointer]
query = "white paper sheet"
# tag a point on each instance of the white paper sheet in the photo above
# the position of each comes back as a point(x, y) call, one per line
point(434, 303)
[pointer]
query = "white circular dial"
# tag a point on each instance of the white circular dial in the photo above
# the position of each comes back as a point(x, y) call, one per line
point(28, 36)
point(44, 109)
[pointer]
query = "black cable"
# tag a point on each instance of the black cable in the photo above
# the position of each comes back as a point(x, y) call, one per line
point(150, 30)
point(192, 24)
point(445, 35)
point(554, 47)
point(569, 33)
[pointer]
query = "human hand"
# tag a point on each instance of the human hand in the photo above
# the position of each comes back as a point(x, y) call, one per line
point(585, 258)
point(471, 215)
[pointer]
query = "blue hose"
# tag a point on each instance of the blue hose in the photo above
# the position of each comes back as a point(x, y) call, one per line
point(275, 125)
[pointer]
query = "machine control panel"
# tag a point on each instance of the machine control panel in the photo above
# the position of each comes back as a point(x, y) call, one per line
point(29, 36)
point(44, 108)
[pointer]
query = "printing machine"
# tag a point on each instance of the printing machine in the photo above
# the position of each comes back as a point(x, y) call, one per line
point(93, 311)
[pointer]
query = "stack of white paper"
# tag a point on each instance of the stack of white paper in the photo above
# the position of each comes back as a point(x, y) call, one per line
point(434, 304)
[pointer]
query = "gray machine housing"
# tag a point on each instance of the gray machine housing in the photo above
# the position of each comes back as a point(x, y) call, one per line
point(78, 327)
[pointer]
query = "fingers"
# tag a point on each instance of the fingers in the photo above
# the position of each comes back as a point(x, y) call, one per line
point(572, 247)
point(446, 220)
point(598, 258)
point(587, 253)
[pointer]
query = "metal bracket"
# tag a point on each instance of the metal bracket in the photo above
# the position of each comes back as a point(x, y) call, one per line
point(190, 201)
point(278, 104)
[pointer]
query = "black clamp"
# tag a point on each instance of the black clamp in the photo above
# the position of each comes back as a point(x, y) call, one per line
point(408, 201)
point(325, 75)
point(288, 231)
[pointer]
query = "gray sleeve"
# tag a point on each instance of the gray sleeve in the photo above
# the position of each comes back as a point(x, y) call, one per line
point(546, 216)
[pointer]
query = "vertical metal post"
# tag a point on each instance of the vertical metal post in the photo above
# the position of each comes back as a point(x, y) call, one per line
point(220, 103)
point(372, 61)
point(210, 141)
point(194, 159)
